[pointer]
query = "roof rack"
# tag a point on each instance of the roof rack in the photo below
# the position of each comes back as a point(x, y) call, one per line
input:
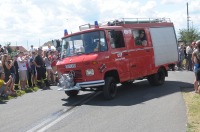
point(126, 21)
point(135, 21)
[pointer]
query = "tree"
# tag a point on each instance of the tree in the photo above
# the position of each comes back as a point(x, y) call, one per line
point(189, 36)
point(9, 48)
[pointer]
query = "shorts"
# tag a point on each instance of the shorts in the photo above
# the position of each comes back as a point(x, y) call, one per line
point(48, 67)
point(33, 71)
point(23, 75)
point(196, 67)
point(197, 71)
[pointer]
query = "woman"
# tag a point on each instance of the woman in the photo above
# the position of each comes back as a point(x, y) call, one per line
point(7, 65)
point(48, 62)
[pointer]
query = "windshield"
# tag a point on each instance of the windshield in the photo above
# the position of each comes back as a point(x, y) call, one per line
point(84, 44)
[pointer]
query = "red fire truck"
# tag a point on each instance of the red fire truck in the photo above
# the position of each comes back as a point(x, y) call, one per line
point(100, 56)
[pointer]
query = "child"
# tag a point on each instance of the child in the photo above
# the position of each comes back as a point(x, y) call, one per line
point(4, 85)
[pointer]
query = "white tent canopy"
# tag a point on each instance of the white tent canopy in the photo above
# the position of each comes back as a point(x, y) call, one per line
point(45, 48)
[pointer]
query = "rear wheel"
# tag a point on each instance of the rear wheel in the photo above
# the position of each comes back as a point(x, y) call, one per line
point(110, 88)
point(72, 93)
point(158, 78)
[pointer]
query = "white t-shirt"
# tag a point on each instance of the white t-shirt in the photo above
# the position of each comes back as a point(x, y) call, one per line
point(22, 65)
point(32, 49)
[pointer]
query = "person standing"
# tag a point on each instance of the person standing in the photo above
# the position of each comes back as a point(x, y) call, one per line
point(196, 61)
point(16, 74)
point(189, 51)
point(40, 69)
point(21, 60)
point(31, 49)
point(7, 65)
point(32, 71)
point(181, 57)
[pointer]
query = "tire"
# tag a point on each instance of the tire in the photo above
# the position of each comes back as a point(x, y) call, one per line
point(110, 88)
point(158, 78)
point(72, 93)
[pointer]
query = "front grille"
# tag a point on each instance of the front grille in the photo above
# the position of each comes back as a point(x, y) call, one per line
point(78, 75)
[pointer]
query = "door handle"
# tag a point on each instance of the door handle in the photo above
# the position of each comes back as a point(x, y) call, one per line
point(133, 66)
point(147, 50)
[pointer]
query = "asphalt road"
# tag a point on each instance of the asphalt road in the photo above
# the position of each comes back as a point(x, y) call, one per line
point(137, 108)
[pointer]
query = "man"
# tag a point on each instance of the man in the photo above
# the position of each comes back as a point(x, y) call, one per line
point(181, 57)
point(31, 49)
point(49, 47)
point(196, 61)
point(21, 61)
point(189, 51)
point(41, 71)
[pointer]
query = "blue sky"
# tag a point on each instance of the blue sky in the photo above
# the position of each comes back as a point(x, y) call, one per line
point(34, 22)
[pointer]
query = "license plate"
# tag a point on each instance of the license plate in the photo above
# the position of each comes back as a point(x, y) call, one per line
point(70, 66)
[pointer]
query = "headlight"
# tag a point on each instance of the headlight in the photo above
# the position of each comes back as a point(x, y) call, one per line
point(89, 72)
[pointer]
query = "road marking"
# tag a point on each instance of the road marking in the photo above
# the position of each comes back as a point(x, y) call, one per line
point(49, 122)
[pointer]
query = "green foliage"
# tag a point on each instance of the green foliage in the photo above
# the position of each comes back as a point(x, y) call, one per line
point(19, 93)
point(189, 36)
point(7, 44)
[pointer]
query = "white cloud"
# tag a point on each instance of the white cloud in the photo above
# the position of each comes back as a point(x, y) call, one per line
point(24, 20)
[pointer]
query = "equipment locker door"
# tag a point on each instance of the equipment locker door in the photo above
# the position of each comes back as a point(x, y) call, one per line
point(143, 53)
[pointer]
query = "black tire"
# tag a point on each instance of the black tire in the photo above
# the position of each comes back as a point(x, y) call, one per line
point(173, 67)
point(110, 88)
point(72, 93)
point(158, 78)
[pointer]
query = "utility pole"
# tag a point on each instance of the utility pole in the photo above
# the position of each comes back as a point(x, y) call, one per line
point(188, 18)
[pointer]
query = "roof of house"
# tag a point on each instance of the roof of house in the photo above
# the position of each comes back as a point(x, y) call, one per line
point(47, 43)
point(21, 48)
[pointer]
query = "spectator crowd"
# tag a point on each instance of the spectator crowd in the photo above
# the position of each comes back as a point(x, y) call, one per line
point(185, 56)
point(27, 70)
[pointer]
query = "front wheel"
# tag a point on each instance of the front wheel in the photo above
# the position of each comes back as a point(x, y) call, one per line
point(72, 93)
point(110, 88)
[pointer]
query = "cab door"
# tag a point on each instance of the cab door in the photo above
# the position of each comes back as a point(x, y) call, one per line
point(119, 54)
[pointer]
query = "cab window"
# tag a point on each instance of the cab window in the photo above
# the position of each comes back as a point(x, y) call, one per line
point(139, 37)
point(116, 39)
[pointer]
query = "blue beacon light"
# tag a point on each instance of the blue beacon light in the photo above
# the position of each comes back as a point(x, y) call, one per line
point(65, 32)
point(96, 25)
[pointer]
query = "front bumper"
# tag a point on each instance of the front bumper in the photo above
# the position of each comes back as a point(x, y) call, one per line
point(80, 85)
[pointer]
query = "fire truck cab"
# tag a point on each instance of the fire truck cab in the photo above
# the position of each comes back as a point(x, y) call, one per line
point(98, 57)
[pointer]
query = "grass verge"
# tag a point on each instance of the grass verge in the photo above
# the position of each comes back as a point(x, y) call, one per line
point(192, 101)
point(20, 93)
